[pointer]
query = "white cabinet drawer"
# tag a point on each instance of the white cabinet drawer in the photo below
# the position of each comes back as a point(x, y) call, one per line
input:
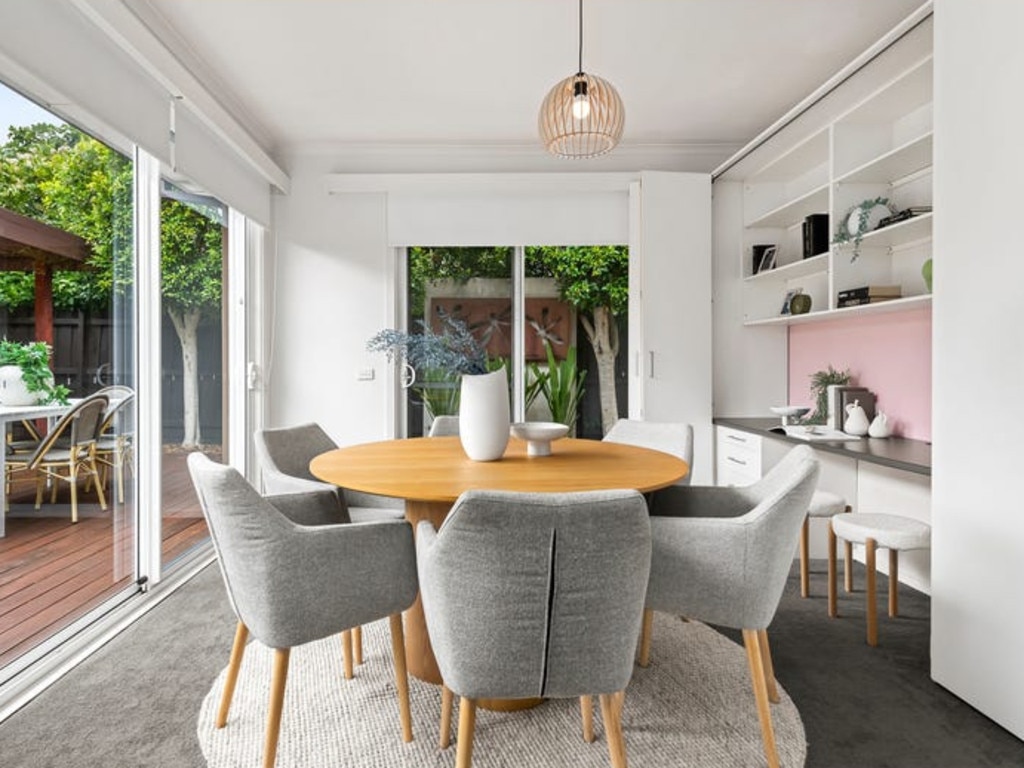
point(737, 457)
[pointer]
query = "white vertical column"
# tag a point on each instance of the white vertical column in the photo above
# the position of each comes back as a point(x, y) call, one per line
point(149, 437)
point(236, 375)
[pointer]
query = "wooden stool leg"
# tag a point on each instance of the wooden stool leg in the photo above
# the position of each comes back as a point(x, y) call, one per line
point(833, 607)
point(401, 675)
point(848, 567)
point(346, 652)
point(645, 638)
point(467, 725)
point(235, 663)
point(278, 678)
point(611, 712)
point(446, 717)
point(870, 546)
point(357, 644)
point(587, 715)
point(894, 575)
point(769, 668)
point(764, 713)
point(805, 569)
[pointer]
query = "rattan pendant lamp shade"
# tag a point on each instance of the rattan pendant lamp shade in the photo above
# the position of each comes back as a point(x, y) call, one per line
point(582, 116)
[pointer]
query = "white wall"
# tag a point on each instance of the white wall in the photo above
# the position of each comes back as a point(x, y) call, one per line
point(978, 358)
point(328, 293)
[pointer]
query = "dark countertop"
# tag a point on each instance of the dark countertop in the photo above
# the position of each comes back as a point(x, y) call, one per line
point(897, 452)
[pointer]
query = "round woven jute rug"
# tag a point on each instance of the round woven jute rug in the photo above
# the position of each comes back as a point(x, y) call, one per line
point(693, 706)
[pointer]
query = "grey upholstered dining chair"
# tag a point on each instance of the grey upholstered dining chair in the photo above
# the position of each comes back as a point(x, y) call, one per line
point(281, 558)
point(722, 555)
point(535, 595)
point(284, 455)
point(675, 438)
point(443, 426)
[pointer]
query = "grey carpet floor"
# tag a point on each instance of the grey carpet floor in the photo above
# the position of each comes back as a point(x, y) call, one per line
point(135, 702)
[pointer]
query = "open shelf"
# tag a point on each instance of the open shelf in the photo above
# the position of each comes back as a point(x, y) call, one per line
point(901, 233)
point(793, 212)
point(896, 164)
point(882, 307)
point(814, 265)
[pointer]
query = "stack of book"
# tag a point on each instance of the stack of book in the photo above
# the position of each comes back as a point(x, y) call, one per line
point(906, 213)
point(867, 294)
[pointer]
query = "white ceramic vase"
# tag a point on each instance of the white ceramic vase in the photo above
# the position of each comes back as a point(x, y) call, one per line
point(484, 415)
point(13, 391)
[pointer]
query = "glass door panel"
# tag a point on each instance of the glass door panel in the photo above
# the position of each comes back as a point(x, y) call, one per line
point(67, 282)
point(461, 286)
point(193, 244)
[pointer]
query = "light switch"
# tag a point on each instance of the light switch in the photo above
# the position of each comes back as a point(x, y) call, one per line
point(365, 374)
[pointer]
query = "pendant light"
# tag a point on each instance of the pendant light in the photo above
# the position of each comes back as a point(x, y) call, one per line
point(582, 116)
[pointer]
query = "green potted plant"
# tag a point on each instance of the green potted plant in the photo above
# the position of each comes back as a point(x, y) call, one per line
point(561, 385)
point(25, 375)
point(820, 382)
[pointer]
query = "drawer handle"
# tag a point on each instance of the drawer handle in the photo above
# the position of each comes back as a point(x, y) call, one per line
point(734, 460)
point(737, 438)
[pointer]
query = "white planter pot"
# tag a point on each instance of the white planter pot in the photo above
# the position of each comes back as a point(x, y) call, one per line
point(484, 415)
point(12, 388)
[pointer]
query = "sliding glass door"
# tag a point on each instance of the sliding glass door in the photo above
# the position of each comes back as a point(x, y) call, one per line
point(555, 316)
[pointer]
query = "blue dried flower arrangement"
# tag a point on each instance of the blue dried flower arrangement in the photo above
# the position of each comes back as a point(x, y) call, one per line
point(455, 350)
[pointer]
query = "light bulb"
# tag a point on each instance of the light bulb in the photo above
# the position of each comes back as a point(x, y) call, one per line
point(580, 106)
point(580, 100)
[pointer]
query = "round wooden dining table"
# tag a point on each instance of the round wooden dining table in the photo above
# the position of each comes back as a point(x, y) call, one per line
point(430, 473)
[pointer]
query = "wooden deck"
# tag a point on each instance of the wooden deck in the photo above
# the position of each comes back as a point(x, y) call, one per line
point(52, 572)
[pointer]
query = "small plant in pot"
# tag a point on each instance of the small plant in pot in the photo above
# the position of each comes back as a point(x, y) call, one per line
point(25, 375)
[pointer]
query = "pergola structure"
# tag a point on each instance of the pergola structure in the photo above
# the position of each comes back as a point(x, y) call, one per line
point(27, 245)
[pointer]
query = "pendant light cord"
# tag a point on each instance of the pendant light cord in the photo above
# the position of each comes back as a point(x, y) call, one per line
point(580, 70)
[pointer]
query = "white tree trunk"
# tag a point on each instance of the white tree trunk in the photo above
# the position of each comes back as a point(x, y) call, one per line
point(604, 338)
point(186, 325)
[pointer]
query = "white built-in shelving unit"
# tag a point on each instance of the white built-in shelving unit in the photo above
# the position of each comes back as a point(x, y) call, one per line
point(880, 147)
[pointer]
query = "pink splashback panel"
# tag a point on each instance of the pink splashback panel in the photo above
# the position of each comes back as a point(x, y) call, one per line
point(890, 354)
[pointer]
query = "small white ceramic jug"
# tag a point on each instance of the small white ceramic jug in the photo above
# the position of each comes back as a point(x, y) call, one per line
point(856, 420)
point(880, 426)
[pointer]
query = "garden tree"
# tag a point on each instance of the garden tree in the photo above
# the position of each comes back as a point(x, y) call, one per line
point(58, 175)
point(190, 266)
point(595, 280)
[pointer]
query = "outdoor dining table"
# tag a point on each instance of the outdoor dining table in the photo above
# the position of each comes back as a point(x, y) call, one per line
point(14, 413)
point(430, 473)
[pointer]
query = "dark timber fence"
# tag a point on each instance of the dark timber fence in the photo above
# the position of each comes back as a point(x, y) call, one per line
point(83, 344)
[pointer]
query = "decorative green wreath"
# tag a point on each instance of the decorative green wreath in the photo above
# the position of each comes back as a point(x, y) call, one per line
point(863, 209)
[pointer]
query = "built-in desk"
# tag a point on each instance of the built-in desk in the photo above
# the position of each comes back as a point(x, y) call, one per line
point(889, 474)
point(896, 452)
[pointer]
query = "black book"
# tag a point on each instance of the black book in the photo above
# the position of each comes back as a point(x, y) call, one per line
point(870, 292)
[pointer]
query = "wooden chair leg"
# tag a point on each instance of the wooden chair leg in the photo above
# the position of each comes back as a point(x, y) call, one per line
point(357, 644)
point(446, 717)
point(872, 604)
point(99, 486)
point(587, 716)
point(894, 576)
point(401, 675)
point(757, 677)
point(805, 568)
point(833, 604)
point(73, 482)
point(278, 678)
point(237, 652)
point(645, 638)
point(467, 724)
point(346, 652)
point(769, 668)
point(848, 567)
point(611, 713)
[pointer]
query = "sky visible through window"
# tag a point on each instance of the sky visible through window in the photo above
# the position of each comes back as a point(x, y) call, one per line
point(16, 110)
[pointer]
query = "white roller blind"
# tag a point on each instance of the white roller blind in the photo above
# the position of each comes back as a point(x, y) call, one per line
point(519, 218)
point(55, 53)
point(200, 156)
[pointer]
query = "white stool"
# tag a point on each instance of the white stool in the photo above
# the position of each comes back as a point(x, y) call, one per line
point(823, 504)
point(892, 532)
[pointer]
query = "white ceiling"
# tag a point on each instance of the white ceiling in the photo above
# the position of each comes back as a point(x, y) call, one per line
point(303, 74)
